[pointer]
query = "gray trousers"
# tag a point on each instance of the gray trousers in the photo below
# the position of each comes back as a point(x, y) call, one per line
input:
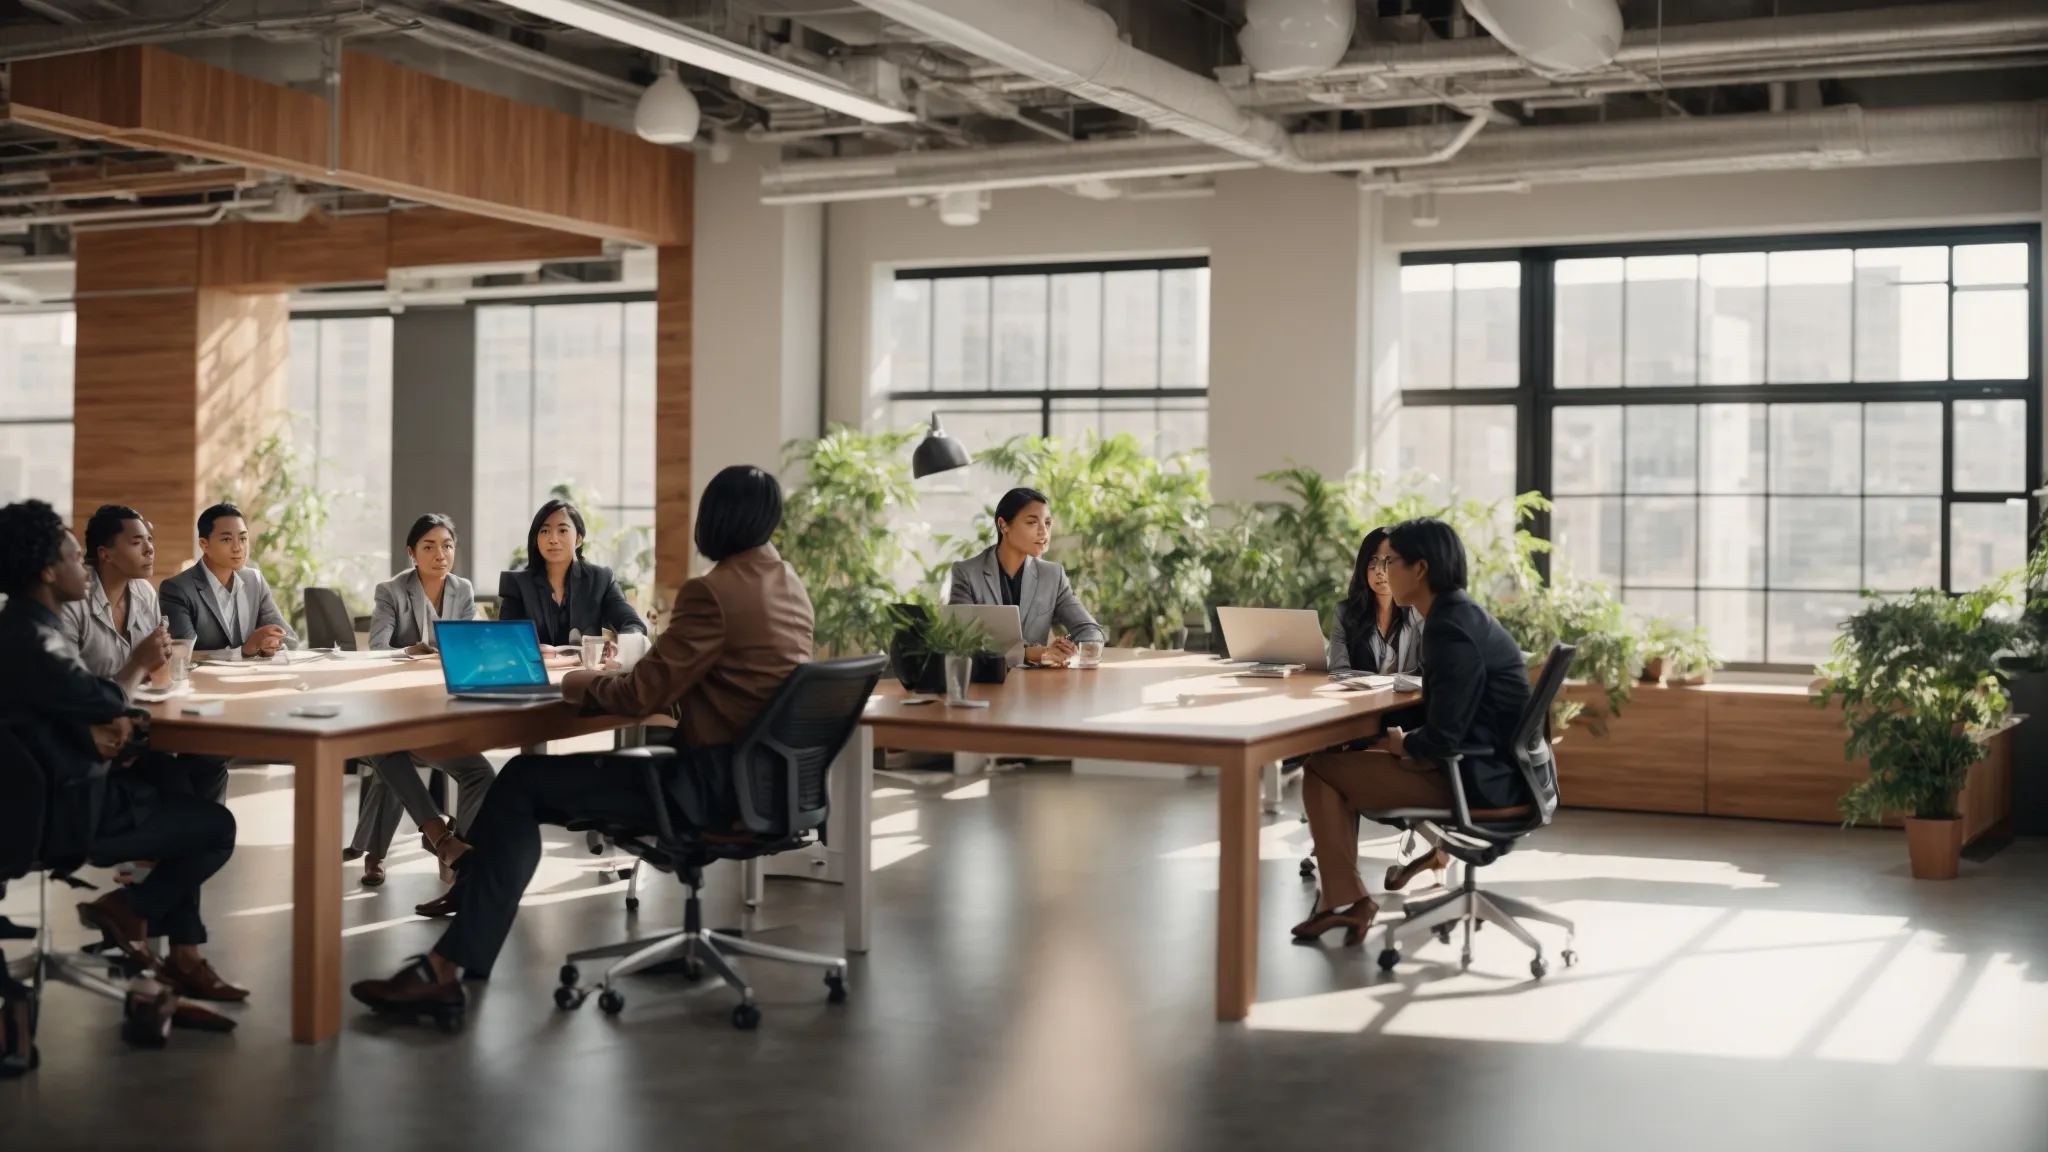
point(395, 789)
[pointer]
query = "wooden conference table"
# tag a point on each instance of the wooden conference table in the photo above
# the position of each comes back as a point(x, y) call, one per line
point(1143, 706)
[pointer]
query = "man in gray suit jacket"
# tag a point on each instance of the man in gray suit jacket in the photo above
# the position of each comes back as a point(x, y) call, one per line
point(221, 602)
point(1012, 573)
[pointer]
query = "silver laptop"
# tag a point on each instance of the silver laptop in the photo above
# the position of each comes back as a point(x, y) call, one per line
point(1275, 636)
point(1003, 622)
point(493, 660)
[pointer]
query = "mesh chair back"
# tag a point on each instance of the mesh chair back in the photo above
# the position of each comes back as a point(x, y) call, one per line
point(1532, 734)
point(327, 621)
point(781, 764)
point(24, 798)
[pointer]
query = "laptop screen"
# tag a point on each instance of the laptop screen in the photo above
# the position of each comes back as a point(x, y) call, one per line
point(489, 654)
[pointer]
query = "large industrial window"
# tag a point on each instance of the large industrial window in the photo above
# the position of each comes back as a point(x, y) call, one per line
point(565, 397)
point(1743, 434)
point(1053, 350)
point(341, 423)
point(35, 407)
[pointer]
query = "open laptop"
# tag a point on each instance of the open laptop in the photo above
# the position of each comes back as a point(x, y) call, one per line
point(1274, 637)
point(493, 660)
point(1003, 623)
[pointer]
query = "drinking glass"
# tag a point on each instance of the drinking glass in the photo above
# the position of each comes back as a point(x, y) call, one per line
point(181, 663)
point(593, 653)
point(1088, 653)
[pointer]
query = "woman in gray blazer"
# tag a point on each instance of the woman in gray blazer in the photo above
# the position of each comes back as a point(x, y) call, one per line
point(407, 607)
point(1370, 633)
point(1012, 573)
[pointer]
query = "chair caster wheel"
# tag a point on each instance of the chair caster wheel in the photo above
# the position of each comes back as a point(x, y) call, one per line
point(1569, 957)
point(569, 976)
point(1308, 869)
point(1443, 933)
point(746, 1017)
point(835, 985)
point(610, 1002)
point(1388, 958)
point(625, 873)
point(632, 903)
point(569, 999)
point(607, 876)
point(1538, 968)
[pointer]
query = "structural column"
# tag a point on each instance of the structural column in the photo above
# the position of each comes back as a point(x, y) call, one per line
point(433, 427)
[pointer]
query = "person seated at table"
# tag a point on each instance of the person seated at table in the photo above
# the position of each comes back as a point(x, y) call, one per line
point(735, 634)
point(566, 596)
point(1011, 572)
point(73, 723)
point(1475, 685)
point(407, 607)
point(120, 611)
point(221, 603)
point(1369, 632)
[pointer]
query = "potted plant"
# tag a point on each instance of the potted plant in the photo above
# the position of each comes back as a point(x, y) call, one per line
point(957, 641)
point(1917, 680)
point(837, 533)
point(1674, 653)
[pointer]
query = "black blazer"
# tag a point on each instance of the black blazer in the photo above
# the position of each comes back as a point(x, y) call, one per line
point(594, 603)
point(50, 701)
point(1475, 686)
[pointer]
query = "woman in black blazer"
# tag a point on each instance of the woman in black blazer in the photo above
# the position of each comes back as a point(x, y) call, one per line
point(560, 591)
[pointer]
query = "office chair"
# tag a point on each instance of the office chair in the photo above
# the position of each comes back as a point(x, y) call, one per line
point(327, 621)
point(26, 793)
point(778, 772)
point(1476, 844)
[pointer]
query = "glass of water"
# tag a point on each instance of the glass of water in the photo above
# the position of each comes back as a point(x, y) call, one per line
point(181, 663)
point(1088, 653)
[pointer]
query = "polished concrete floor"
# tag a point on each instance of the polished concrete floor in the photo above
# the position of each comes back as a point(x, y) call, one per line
point(1041, 980)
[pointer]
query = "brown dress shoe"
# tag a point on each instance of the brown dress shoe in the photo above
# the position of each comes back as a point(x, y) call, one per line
point(373, 871)
point(147, 1014)
point(437, 908)
point(1399, 875)
point(415, 993)
point(114, 920)
point(1355, 920)
point(198, 981)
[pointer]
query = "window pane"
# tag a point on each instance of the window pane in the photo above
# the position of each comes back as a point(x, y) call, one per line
point(1426, 326)
point(1184, 328)
point(1483, 451)
point(1810, 316)
point(1663, 319)
point(1816, 542)
point(1732, 440)
point(1732, 321)
point(955, 503)
point(1585, 450)
point(1663, 532)
point(1991, 334)
point(354, 446)
point(1732, 541)
point(960, 334)
point(1902, 448)
point(1985, 542)
point(910, 326)
point(1489, 325)
point(1991, 445)
point(305, 385)
point(1020, 320)
point(1588, 330)
point(1663, 448)
point(35, 365)
point(504, 444)
point(1426, 450)
point(1077, 330)
point(1586, 532)
point(1902, 314)
point(35, 462)
point(1816, 448)
point(1673, 604)
point(1130, 309)
point(636, 467)
point(1183, 426)
point(1995, 264)
point(1902, 544)
point(1735, 625)
point(1803, 625)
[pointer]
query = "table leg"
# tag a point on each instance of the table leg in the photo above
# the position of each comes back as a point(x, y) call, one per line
point(853, 831)
point(1237, 895)
point(316, 896)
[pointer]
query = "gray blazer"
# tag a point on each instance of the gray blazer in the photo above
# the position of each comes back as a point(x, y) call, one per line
point(1404, 656)
point(404, 616)
point(89, 623)
point(1045, 597)
point(194, 614)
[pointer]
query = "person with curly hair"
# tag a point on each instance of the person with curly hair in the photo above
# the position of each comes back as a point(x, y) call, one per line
point(72, 723)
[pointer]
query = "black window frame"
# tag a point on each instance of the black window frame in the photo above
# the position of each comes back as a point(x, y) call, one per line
point(1536, 398)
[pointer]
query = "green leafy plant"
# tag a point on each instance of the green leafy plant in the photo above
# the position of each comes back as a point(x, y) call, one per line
point(837, 532)
point(1585, 615)
point(1916, 678)
point(1130, 529)
point(937, 634)
point(1686, 653)
point(288, 515)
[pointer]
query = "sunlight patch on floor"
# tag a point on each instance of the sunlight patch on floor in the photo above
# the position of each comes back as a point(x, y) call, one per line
point(975, 791)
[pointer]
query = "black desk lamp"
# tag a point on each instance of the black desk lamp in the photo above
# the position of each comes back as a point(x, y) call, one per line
point(938, 453)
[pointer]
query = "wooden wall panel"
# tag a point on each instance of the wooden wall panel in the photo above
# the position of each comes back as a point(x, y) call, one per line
point(1653, 757)
point(242, 384)
point(133, 418)
point(1986, 802)
point(424, 237)
point(136, 259)
point(1774, 756)
point(673, 496)
point(267, 257)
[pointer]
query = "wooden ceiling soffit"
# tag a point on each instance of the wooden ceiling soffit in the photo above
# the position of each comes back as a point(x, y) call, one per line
point(403, 133)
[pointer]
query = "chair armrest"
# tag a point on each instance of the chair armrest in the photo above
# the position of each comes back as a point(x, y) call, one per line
point(1458, 803)
point(651, 757)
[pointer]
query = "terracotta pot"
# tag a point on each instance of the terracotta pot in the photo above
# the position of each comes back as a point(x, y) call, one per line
point(1653, 670)
point(1936, 847)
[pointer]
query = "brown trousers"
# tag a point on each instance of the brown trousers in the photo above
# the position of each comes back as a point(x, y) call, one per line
point(1337, 786)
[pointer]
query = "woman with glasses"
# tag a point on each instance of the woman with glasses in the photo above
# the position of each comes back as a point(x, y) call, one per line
point(1371, 633)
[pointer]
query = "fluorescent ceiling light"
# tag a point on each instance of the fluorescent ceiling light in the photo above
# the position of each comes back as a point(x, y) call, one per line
point(644, 30)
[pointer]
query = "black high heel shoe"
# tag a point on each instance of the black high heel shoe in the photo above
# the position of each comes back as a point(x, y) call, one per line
point(1356, 920)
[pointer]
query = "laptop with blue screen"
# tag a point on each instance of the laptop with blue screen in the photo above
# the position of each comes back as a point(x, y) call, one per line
point(493, 660)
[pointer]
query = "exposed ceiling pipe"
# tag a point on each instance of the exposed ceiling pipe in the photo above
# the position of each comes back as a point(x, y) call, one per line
point(35, 43)
point(483, 45)
point(1842, 135)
